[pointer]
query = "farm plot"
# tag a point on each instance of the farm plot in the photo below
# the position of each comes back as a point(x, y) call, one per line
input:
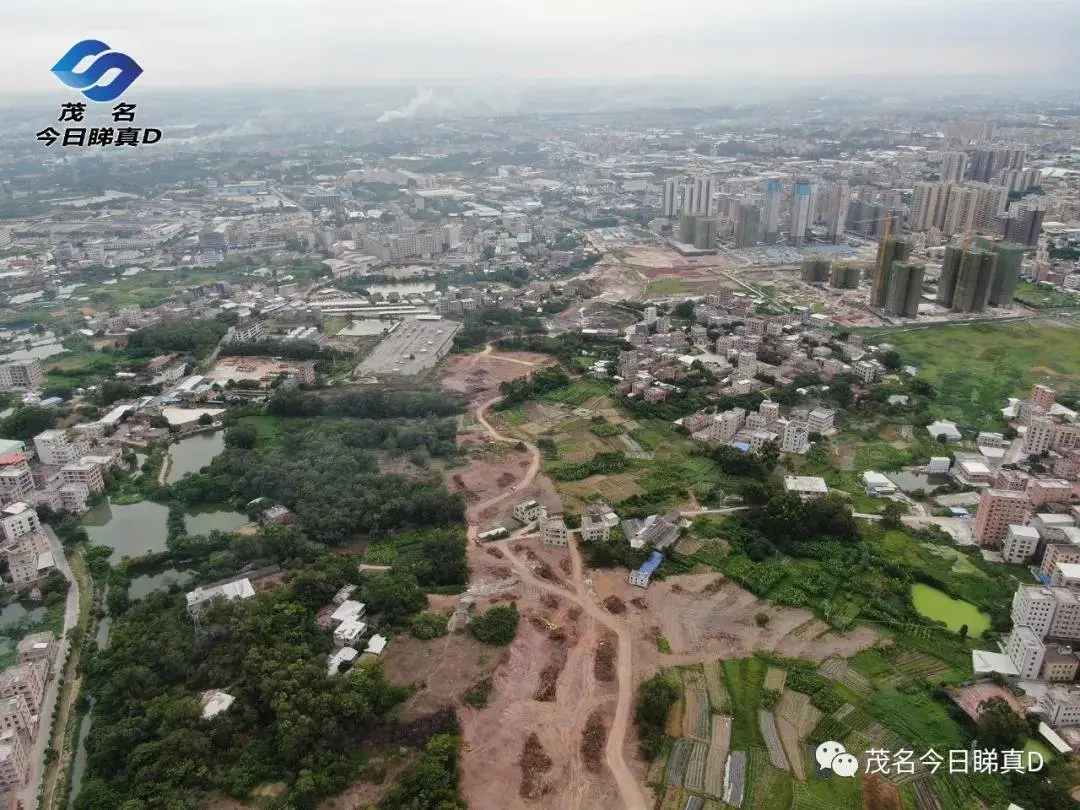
point(772, 740)
point(842, 673)
point(695, 725)
point(735, 778)
point(718, 752)
point(677, 762)
point(714, 683)
point(675, 718)
point(911, 665)
point(768, 788)
point(695, 767)
point(775, 678)
point(674, 799)
point(925, 798)
point(787, 719)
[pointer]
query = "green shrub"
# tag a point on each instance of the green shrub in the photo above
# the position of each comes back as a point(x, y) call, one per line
point(497, 627)
point(428, 625)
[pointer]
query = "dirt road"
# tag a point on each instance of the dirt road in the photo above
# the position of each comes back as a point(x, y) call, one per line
point(473, 513)
point(633, 798)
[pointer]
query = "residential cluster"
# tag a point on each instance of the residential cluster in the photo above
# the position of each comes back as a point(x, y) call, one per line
point(23, 690)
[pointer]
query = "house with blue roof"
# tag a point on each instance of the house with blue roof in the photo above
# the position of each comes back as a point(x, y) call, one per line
point(641, 577)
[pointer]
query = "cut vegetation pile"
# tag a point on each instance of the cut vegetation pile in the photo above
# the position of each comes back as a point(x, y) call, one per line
point(639, 603)
point(534, 764)
point(604, 660)
point(495, 552)
point(614, 605)
point(593, 740)
point(550, 601)
point(549, 683)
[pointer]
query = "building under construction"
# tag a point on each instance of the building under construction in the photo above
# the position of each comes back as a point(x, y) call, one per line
point(973, 281)
point(890, 250)
point(1006, 273)
point(815, 271)
point(844, 277)
point(973, 277)
point(904, 289)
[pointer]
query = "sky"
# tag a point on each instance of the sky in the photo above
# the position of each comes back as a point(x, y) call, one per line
point(195, 44)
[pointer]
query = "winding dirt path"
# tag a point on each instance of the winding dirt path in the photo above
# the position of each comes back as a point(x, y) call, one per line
point(633, 797)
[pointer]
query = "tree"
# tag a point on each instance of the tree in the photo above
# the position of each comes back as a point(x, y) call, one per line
point(27, 422)
point(394, 595)
point(205, 419)
point(654, 699)
point(942, 438)
point(891, 360)
point(769, 455)
point(963, 631)
point(242, 437)
point(684, 309)
point(497, 627)
point(891, 514)
point(488, 252)
point(999, 726)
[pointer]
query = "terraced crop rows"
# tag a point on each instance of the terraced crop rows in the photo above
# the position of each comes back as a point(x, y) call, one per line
point(676, 768)
point(714, 684)
point(911, 664)
point(772, 740)
point(695, 768)
point(841, 672)
point(735, 778)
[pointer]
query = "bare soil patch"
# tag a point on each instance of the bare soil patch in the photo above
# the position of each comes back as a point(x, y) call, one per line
point(442, 665)
point(879, 794)
point(478, 375)
point(722, 623)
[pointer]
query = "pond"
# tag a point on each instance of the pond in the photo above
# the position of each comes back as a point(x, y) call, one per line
point(193, 453)
point(912, 482)
point(132, 530)
point(148, 583)
point(14, 613)
point(137, 529)
point(939, 606)
point(39, 352)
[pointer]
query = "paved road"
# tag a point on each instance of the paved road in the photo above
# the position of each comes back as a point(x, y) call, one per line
point(28, 795)
point(633, 798)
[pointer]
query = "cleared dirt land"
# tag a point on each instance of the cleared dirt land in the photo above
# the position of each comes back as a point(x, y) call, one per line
point(478, 375)
point(723, 624)
point(496, 735)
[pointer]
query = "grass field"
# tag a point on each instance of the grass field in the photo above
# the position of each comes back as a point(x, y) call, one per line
point(975, 367)
point(1040, 296)
point(268, 427)
point(665, 286)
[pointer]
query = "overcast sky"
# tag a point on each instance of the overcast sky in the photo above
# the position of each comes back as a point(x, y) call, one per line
point(300, 43)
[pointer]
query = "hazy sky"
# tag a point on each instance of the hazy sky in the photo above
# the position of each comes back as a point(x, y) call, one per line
point(298, 43)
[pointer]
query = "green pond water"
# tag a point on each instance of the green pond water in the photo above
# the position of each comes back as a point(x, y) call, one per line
point(939, 606)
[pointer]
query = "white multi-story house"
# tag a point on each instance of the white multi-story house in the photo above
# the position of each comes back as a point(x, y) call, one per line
point(1033, 606)
point(57, 447)
point(1021, 542)
point(1026, 650)
point(553, 531)
point(529, 511)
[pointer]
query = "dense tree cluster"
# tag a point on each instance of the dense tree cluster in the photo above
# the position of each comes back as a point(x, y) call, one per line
point(290, 723)
point(541, 382)
point(377, 404)
point(191, 336)
point(288, 349)
point(327, 473)
point(654, 698)
point(497, 627)
point(28, 421)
